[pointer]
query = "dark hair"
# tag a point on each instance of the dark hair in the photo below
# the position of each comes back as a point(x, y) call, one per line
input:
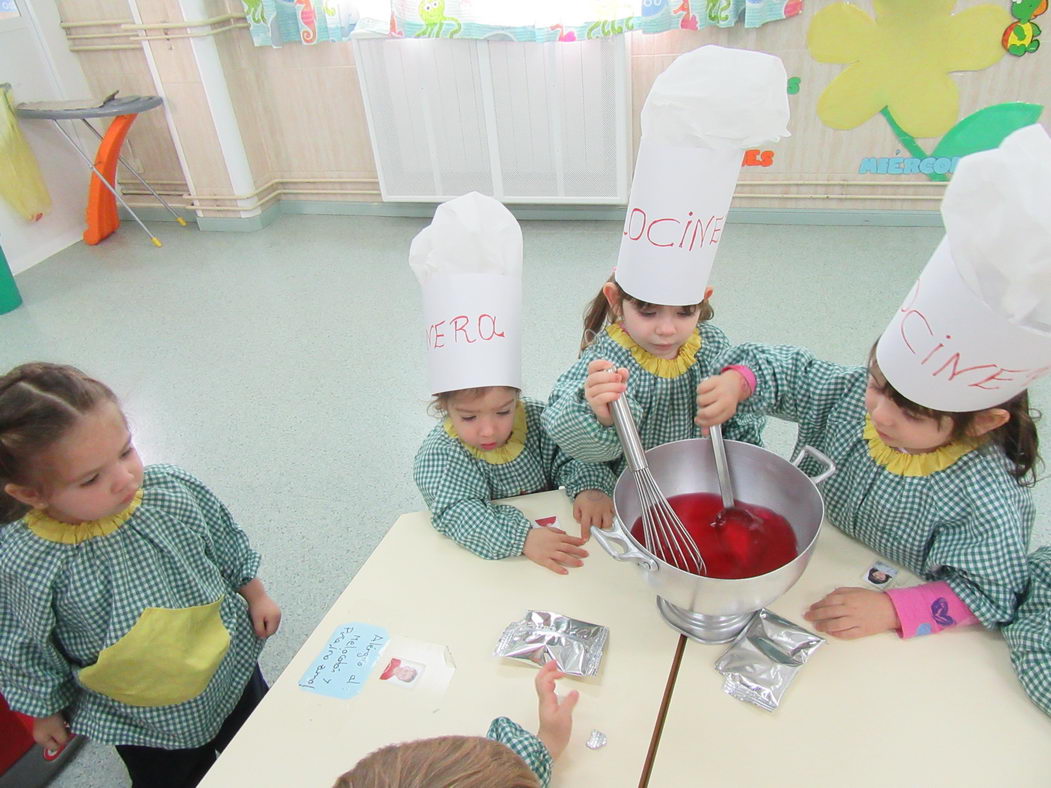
point(1017, 437)
point(439, 406)
point(598, 314)
point(443, 762)
point(39, 402)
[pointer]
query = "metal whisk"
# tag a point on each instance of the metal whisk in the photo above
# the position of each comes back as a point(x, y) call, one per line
point(663, 532)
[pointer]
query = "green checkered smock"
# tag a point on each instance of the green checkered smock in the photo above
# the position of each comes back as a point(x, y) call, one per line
point(525, 745)
point(663, 408)
point(459, 488)
point(61, 604)
point(967, 524)
point(1029, 635)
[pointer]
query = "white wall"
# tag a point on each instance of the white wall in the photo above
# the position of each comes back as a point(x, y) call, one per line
point(35, 59)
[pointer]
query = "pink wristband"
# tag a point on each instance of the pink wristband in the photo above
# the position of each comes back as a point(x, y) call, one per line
point(929, 608)
point(744, 372)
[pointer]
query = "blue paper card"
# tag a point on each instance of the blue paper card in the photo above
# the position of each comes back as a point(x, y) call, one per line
point(341, 668)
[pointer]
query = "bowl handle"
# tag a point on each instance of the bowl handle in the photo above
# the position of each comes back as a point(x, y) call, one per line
point(615, 542)
point(820, 457)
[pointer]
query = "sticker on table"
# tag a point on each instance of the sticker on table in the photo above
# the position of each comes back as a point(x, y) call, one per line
point(424, 668)
point(341, 668)
point(880, 575)
point(546, 522)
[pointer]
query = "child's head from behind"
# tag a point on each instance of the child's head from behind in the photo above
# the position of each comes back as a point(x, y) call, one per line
point(64, 446)
point(905, 425)
point(658, 329)
point(460, 761)
point(482, 417)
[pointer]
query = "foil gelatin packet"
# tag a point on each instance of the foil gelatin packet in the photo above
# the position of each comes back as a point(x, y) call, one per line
point(764, 659)
point(577, 646)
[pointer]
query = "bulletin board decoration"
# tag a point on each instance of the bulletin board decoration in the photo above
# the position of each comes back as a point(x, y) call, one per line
point(899, 63)
point(1023, 35)
point(986, 128)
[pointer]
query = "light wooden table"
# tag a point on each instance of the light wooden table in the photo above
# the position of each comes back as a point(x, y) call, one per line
point(941, 710)
point(421, 585)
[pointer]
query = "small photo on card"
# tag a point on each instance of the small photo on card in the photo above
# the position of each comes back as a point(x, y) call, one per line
point(546, 522)
point(403, 672)
point(880, 575)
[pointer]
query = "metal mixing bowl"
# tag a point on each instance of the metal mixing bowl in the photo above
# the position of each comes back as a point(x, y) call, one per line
point(709, 609)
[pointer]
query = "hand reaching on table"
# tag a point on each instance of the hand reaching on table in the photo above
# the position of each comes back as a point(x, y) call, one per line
point(554, 549)
point(850, 613)
point(592, 508)
point(556, 714)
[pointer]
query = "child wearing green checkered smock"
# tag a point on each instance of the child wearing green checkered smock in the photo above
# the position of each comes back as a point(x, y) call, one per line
point(460, 476)
point(130, 610)
point(955, 513)
point(665, 353)
point(1029, 635)
point(508, 756)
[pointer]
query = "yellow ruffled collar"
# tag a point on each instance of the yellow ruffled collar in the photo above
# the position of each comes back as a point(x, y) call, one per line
point(500, 454)
point(924, 464)
point(661, 367)
point(56, 531)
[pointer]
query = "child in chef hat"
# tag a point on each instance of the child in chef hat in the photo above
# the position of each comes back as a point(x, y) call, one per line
point(490, 443)
point(647, 332)
point(934, 441)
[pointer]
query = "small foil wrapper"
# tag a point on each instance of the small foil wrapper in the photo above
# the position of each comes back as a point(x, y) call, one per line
point(596, 740)
point(765, 657)
point(541, 636)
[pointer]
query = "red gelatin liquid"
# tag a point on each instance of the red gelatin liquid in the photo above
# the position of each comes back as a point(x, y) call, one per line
point(735, 547)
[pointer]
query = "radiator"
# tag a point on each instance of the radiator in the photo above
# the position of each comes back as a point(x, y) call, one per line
point(523, 122)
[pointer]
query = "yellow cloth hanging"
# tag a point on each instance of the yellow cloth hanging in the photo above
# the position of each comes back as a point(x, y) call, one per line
point(20, 181)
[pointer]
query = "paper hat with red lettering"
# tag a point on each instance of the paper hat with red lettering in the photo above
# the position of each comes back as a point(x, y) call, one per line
point(975, 330)
point(469, 265)
point(702, 113)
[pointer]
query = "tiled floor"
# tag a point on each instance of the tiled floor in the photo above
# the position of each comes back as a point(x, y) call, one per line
point(285, 367)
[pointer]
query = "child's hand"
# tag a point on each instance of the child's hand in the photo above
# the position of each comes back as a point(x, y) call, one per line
point(718, 396)
point(850, 613)
point(556, 716)
point(555, 549)
point(603, 385)
point(264, 612)
point(592, 508)
point(51, 733)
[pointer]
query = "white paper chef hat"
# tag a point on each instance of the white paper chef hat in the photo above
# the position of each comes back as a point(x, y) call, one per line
point(976, 328)
point(469, 265)
point(702, 113)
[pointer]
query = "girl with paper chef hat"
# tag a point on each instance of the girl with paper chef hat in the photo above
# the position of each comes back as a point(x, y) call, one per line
point(490, 443)
point(646, 334)
point(933, 441)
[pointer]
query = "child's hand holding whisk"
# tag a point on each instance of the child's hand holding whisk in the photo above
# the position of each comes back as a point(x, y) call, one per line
point(604, 384)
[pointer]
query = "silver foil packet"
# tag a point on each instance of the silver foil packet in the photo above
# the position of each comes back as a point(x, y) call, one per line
point(541, 636)
point(764, 658)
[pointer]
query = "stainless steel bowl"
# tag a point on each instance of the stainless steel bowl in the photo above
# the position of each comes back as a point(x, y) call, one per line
point(713, 610)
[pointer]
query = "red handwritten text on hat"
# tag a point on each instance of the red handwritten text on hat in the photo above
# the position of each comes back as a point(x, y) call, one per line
point(463, 329)
point(937, 354)
point(667, 231)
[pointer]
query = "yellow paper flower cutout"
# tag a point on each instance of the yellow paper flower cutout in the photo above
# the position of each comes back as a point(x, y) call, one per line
point(901, 60)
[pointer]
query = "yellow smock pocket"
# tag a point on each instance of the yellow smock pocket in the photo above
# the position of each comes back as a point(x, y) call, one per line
point(167, 657)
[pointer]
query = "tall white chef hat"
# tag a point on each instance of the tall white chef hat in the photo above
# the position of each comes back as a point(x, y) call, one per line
point(469, 265)
point(975, 330)
point(702, 113)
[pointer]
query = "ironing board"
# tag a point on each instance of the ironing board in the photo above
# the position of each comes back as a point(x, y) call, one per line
point(102, 217)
